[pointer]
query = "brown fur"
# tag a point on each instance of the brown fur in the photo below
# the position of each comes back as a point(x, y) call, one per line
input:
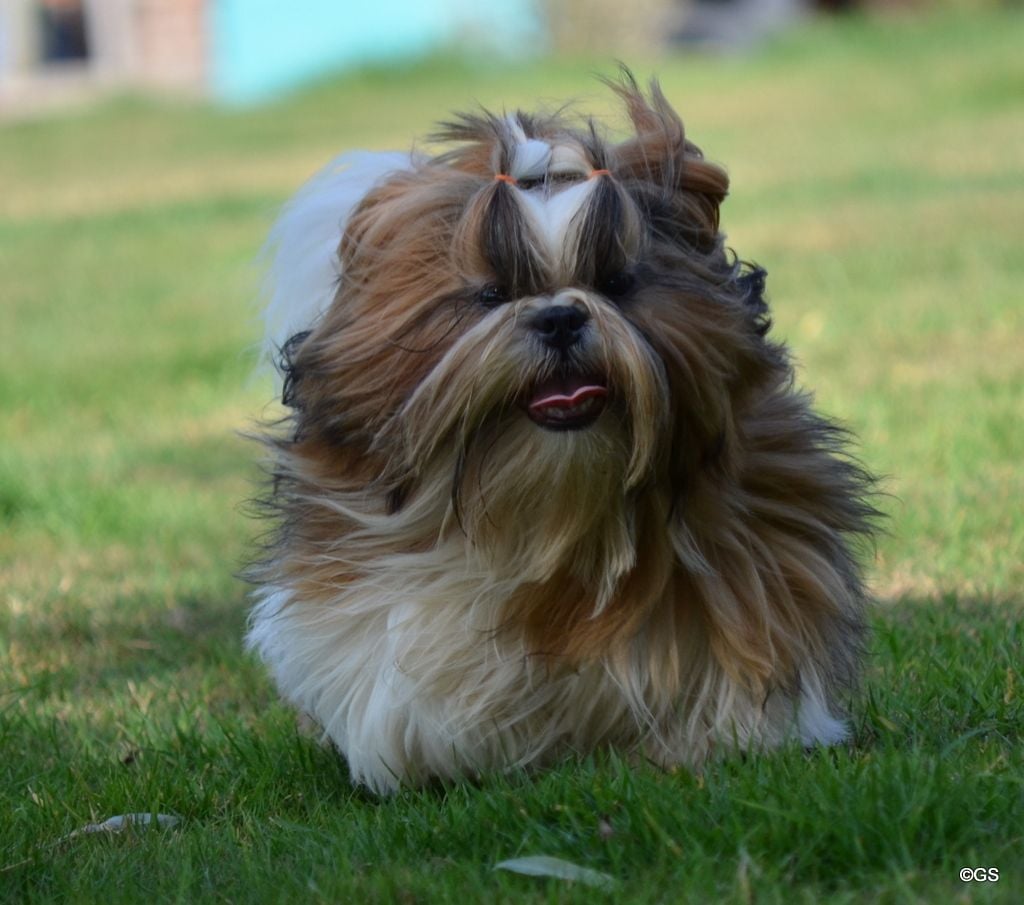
point(711, 517)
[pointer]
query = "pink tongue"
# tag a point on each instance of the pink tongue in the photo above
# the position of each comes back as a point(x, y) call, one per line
point(565, 394)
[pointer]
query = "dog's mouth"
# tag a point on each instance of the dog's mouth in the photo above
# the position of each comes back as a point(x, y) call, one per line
point(567, 403)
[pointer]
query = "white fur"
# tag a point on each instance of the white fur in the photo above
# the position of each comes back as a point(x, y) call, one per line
point(403, 671)
point(530, 159)
point(303, 243)
point(550, 211)
point(551, 216)
point(816, 724)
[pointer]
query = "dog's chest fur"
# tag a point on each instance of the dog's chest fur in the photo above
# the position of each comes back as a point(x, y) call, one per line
point(410, 676)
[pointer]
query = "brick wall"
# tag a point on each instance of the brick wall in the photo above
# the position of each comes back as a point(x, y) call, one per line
point(171, 42)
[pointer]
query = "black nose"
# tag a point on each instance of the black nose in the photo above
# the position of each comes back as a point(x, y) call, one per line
point(560, 326)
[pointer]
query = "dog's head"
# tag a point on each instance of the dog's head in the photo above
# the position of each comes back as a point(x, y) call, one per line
point(537, 340)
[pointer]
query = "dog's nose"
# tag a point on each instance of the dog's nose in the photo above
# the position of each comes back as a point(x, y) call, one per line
point(560, 326)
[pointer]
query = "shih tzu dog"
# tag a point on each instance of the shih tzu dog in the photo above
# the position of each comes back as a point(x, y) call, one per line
point(546, 484)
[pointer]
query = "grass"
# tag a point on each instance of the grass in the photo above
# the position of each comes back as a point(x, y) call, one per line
point(876, 173)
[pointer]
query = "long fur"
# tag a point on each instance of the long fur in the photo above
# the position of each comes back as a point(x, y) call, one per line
point(453, 588)
point(304, 270)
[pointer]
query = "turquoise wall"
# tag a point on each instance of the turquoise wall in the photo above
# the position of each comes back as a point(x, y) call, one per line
point(259, 48)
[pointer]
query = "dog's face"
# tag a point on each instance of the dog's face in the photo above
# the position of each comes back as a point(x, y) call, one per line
point(538, 340)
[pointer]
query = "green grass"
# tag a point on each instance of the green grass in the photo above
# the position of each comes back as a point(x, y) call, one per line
point(876, 173)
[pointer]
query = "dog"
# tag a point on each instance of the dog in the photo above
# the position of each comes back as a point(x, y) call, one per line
point(546, 485)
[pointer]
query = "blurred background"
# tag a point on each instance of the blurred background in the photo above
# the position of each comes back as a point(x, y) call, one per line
point(245, 51)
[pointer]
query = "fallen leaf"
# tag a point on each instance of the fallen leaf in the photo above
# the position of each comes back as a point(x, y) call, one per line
point(122, 822)
point(545, 866)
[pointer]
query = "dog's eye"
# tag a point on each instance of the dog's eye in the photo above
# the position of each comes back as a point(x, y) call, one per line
point(616, 285)
point(492, 295)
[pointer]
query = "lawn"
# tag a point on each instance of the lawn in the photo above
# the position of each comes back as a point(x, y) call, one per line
point(877, 174)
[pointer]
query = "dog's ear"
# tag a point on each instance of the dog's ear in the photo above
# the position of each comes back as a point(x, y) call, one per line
point(660, 155)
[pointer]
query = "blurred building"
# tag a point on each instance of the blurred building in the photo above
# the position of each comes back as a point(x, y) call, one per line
point(50, 49)
point(233, 50)
point(241, 51)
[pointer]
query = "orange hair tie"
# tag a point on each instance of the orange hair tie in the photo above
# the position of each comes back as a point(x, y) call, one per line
point(504, 177)
point(595, 173)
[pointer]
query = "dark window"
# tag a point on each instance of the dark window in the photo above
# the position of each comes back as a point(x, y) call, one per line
point(62, 31)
